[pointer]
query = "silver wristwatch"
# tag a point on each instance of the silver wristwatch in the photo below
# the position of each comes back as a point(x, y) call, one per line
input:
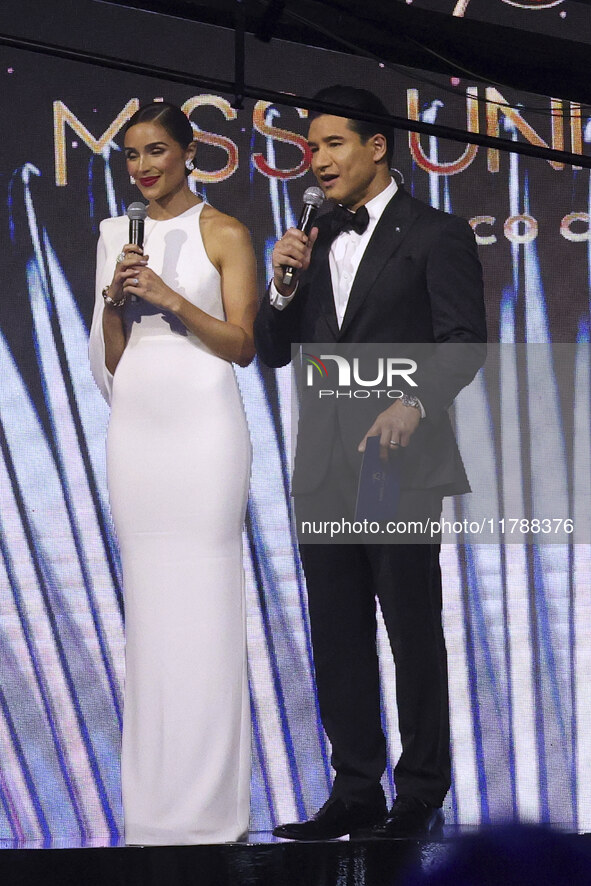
point(411, 400)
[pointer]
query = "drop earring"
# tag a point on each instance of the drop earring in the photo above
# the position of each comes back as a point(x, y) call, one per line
point(131, 180)
point(189, 164)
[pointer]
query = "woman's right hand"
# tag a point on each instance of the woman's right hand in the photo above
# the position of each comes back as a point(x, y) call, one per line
point(126, 270)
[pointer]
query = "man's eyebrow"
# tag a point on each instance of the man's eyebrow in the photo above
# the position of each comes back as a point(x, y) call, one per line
point(326, 138)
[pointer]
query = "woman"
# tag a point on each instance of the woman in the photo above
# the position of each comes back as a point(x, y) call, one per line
point(166, 329)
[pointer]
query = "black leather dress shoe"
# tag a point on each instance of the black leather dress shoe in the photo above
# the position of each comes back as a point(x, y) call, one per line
point(412, 819)
point(336, 818)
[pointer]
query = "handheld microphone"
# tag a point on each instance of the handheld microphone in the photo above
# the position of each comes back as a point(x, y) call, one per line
point(313, 199)
point(136, 213)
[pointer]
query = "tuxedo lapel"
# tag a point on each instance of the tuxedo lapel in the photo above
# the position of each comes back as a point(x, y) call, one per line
point(320, 279)
point(387, 237)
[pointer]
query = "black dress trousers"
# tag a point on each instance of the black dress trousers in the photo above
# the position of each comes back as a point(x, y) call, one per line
point(343, 582)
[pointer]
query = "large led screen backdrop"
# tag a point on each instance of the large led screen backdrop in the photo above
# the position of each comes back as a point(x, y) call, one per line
point(568, 19)
point(517, 618)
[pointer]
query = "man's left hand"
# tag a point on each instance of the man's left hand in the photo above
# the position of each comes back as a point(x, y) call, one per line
point(394, 426)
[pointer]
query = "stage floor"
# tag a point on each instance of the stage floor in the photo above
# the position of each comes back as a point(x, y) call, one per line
point(261, 862)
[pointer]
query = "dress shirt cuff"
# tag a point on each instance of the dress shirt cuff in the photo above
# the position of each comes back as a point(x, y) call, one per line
point(277, 300)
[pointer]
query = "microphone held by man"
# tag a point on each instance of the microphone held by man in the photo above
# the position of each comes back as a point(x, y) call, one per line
point(313, 199)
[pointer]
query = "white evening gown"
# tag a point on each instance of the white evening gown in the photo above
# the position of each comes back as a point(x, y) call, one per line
point(178, 466)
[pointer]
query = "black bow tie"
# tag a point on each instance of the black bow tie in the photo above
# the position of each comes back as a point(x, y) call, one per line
point(344, 219)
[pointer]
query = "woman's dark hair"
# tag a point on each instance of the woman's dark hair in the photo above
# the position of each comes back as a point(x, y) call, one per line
point(359, 100)
point(171, 118)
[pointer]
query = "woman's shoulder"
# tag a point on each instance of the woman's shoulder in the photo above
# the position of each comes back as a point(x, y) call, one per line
point(225, 226)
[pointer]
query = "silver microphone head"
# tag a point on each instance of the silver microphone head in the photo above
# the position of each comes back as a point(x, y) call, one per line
point(137, 211)
point(313, 197)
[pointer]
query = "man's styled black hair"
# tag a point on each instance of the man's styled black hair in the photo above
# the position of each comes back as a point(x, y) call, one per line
point(360, 100)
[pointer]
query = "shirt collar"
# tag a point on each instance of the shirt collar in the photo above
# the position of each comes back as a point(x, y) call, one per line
point(377, 204)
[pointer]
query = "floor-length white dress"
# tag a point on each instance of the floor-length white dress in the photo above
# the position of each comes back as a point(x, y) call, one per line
point(178, 467)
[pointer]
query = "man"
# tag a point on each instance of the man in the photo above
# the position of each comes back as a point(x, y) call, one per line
point(396, 270)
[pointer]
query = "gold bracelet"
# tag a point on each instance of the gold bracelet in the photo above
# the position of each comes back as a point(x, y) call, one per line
point(111, 301)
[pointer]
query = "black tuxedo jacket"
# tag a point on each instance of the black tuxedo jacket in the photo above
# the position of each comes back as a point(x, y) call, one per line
point(419, 282)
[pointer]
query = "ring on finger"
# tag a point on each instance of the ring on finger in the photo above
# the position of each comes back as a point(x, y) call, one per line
point(394, 444)
point(120, 257)
point(134, 281)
